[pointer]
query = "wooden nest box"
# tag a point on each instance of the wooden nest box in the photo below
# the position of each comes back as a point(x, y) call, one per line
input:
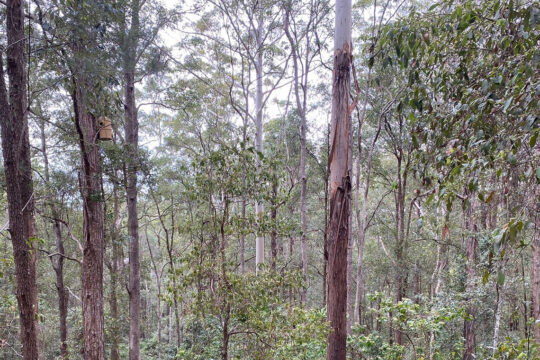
point(105, 128)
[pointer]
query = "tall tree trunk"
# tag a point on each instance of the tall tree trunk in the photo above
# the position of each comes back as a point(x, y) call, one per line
point(340, 184)
point(401, 271)
point(325, 235)
point(90, 187)
point(58, 264)
point(259, 207)
point(131, 129)
point(536, 285)
point(300, 83)
point(113, 307)
point(273, 217)
point(18, 172)
point(469, 324)
point(115, 267)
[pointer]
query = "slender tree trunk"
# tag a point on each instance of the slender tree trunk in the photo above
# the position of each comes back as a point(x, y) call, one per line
point(536, 286)
point(115, 267)
point(340, 184)
point(273, 216)
point(63, 295)
point(401, 271)
point(325, 235)
point(58, 265)
point(158, 285)
point(18, 172)
point(300, 82)
point(259, 207)
point(131, 128)
point(243, 238)
point(113, 306)
point(498, 315)
point(469, 324)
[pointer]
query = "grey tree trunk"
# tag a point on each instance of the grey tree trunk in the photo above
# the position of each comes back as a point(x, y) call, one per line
point(340, 184)
point(58, 263)
point(259, 207)
point(131, 129)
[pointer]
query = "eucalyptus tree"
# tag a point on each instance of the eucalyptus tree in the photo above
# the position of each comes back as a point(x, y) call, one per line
point(82, 25)
point(18, 171)
point(340, 183)
point(302, 37)
point(254, 32)
point(135, 40)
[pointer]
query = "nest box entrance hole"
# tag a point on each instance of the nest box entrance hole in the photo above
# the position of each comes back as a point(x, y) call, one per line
point(105, 129)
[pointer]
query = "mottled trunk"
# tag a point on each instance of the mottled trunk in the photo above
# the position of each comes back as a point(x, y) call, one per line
point(18, 172)
point(498, 315)
point(340, 185)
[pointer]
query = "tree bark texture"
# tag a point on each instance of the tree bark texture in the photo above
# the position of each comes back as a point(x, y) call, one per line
point(90, 187)
point(131, 129)
point(340, 185)
point(18, 172)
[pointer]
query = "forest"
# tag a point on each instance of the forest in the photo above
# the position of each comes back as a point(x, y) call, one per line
point(270, 179)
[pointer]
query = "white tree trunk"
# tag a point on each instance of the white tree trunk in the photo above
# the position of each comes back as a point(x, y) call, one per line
point(259, 207)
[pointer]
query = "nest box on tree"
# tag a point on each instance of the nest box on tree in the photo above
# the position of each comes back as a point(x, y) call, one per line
point(105, 128)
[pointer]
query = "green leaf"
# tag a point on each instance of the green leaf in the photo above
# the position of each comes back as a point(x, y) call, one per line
point(500, 278)
point(485, 278)
point(533, 139)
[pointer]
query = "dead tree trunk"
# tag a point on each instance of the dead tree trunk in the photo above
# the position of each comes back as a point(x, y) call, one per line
point(340, 184)
point(18, 172)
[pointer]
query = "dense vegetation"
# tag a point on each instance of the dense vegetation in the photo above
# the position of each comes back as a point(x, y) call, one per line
point(208, 225)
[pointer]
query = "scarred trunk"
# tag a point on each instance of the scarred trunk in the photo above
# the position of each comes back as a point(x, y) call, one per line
point(340, 185)
point(18, 172)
